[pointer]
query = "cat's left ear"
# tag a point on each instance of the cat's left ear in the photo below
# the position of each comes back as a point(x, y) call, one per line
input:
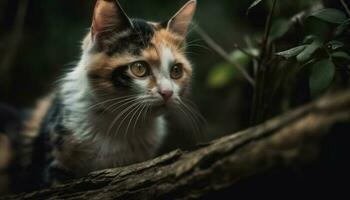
point(181, 21)
point(109, 18)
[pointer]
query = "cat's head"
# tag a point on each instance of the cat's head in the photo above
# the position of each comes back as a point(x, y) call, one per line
point(146, 60)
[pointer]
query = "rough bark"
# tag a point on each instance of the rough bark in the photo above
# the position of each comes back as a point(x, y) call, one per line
point(265, 157)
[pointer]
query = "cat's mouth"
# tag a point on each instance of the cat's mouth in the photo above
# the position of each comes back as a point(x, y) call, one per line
point(161, 106)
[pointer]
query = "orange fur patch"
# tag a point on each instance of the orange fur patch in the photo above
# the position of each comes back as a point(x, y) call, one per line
point(32, 125)
point(166, 36)
point(151, 55)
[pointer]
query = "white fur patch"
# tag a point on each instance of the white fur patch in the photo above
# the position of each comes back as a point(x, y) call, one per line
point(166, 58)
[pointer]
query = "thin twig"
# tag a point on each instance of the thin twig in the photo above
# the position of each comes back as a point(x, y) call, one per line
point(16, 35)
point(267, 31)
point(250, 45)
point(346, 7)
point(218, 49)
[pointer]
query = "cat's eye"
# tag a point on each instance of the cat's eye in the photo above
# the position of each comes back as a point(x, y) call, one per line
point(176, 71)
point(140, 69)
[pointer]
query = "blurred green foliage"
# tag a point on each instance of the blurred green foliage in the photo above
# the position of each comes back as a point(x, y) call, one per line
point(223, 73)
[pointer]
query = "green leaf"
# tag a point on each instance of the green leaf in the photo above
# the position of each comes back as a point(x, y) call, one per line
point(334, 45)
point(255, 3)
point(318, 28)
point(342, 28)
point(341, 54)
point(309, 39)
point(242, 58)
point(279, 28)
point(321, 77)
point(330, 15)
point(253, 51)
point(291, 52)
point(310, 49)
point(222, 74)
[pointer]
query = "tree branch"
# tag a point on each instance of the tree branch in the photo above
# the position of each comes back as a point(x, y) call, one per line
point(292, 141)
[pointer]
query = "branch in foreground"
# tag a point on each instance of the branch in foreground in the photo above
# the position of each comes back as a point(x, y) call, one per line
point(293, 141)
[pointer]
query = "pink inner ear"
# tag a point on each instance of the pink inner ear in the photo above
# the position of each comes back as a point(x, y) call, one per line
point(104, 16)
point(182, 20)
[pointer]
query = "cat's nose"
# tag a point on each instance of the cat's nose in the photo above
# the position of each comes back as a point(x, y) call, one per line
point(166, 94)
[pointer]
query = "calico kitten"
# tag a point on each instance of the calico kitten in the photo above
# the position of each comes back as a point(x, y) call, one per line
point(109, 110)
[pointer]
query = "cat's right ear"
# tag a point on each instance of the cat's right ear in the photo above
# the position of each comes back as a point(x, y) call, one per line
point(109, 18)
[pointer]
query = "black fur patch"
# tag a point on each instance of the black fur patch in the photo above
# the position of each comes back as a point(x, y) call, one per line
point(59, 132)
point(58, 174)
point(164, 24)
point(120, 78)
point(43, 147)
point(50, 137)
point(138, 39)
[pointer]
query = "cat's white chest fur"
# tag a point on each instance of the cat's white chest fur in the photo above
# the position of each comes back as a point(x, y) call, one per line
point(137, 146)
point(102, 151)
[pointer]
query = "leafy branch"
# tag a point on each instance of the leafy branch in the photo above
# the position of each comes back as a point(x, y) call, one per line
point(315, 59)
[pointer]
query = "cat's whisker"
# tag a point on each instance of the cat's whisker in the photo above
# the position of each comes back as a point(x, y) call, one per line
point(134, 111)
point(130, 112)
point(198, 45)
point(194, 116)
point(195, 109)
point(193, 41)
point(146, 112)
point(184, 48)
point(199, 118)
point(120, 114)
point(113, 99)
point(113, 104)
point(124, 104)
point(137, 118)
point(192, 27)
point(147, 104)
point(100, 91)
point(188, 120)
point(144, 104)
point(191, 53)
point(188, 44)
point(108, 100)
point(118, 117)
